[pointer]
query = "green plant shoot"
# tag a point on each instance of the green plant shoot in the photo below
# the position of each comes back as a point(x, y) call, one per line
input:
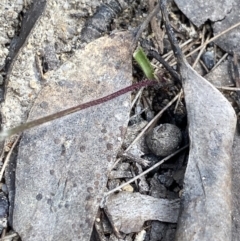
point(144, 63)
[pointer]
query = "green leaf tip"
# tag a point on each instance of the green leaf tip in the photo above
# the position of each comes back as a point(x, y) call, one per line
point(144, 63)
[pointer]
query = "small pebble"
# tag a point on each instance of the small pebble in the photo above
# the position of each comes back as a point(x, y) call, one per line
point(208, 59)
point(128, 188)
point(166, 179)
point(164, 139)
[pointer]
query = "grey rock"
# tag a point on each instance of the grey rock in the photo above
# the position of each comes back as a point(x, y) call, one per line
point(163, 140)
point(9, 21)
point(236, 188)
point(229, 42)
point(23, 80)
point(157, 190)
point(200, 11)
point(158, 230)
point(166, 179)
point(208, 59)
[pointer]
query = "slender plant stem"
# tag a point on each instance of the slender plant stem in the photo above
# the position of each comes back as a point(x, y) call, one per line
point(6, 133)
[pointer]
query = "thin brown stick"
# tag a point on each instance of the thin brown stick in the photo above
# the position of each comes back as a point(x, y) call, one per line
point(184, 50)
point(138, 95)
point(170, 53)
point(144, 25)
point(235, 70)
point(204, 66)
point(215, 37)
point(156, 29)
point(215, 54)
point(200, 53)
point(3, 233)
point(227, 88)
point(159, 58)
point(8, 158)
point(136, 159)
point(220, 61)
point(6, 133)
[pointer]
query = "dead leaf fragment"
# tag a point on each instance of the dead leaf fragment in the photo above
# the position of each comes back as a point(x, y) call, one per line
point(206, 201)
point(129, 211)
point(62, 166)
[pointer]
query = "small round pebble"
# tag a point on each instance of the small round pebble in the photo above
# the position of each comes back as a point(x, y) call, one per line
point(208, 59)
point(164, 139)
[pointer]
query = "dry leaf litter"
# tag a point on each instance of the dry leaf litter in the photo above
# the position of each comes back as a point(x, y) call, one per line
point(51, 41)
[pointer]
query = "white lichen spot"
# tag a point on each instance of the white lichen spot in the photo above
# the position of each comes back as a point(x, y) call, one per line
point(140, 236)
point(33, 84)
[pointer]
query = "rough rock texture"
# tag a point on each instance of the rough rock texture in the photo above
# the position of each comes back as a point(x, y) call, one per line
point(164, 139)
point(223, 14)
point(230, 41)
point(9, 10)
point(62, 165)
point(56, 28)
point(200, 11)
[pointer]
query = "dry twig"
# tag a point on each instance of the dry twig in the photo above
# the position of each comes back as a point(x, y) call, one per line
point(8, 158)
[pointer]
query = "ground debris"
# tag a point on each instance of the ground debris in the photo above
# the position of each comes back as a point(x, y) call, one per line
point(166, 181)
point(221, 76)
point(119, 174)
point(129, 211)
point(162, 231)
